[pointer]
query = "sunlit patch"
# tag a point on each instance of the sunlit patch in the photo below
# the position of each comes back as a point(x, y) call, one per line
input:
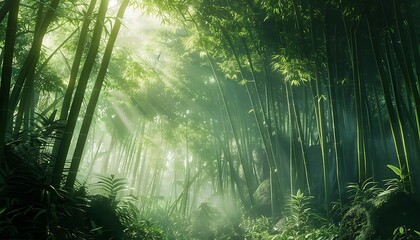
point(48, 41)
point(113, 3)
point(212, 79)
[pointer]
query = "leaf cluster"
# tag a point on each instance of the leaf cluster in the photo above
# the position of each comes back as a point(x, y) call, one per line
point(135, 226)
point(399, 183)
point(33, 209)
point(111, 186)
point(361, 192)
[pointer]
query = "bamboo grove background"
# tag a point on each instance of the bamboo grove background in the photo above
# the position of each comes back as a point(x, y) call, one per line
point(234, 96)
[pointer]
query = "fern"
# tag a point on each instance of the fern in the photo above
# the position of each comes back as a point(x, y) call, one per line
point(127, 209)
point(111, 186)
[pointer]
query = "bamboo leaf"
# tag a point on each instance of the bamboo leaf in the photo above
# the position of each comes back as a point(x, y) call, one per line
point(395, 169)
point(401, 230)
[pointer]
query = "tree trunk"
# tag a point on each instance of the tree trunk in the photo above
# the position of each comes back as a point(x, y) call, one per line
point(330, 38)
point(4, 10)
point(90, 110)
point(6, 74)
point(84, 32)
point(28, 68)
point(394, 119)
point(79, 96)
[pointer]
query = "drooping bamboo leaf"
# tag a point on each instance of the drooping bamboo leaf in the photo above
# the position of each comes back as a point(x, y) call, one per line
point(395, 169)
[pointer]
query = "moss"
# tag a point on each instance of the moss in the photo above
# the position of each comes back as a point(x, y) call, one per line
point(357, 223)
point(379, 217)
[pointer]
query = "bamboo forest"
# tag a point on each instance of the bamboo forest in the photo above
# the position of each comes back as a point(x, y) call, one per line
point(210, 119)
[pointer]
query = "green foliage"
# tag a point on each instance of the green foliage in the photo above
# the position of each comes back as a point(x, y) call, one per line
point(324, 232)
point(243, 38)
point(299, 222)
point(175, 225)
point(33, 209)
point(143, 229)
point(300, 211)
point(405, 233)
point(127, 209)
point(135, 226)
point(361, 192)
point(259, 228)
point(338, 209)
point(205, 221)
point(111, 186)
point(230, 68)
point(31, 146)
point(401, 183)
point(302, 222)
point(295, 71)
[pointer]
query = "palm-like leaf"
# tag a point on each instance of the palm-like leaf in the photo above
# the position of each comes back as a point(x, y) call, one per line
point(111, 186)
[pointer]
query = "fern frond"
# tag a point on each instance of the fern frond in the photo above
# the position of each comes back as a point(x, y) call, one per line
point(110, 185)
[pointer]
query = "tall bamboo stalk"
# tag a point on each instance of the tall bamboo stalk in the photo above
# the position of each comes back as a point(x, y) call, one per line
point(393, 117)
point(6, 74)
point(235, 133)
point(42, 23)
point(79, 96)
point(320, 114)
point(330, 38)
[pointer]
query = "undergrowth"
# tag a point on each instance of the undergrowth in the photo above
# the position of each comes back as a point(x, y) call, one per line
point(30, 208)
